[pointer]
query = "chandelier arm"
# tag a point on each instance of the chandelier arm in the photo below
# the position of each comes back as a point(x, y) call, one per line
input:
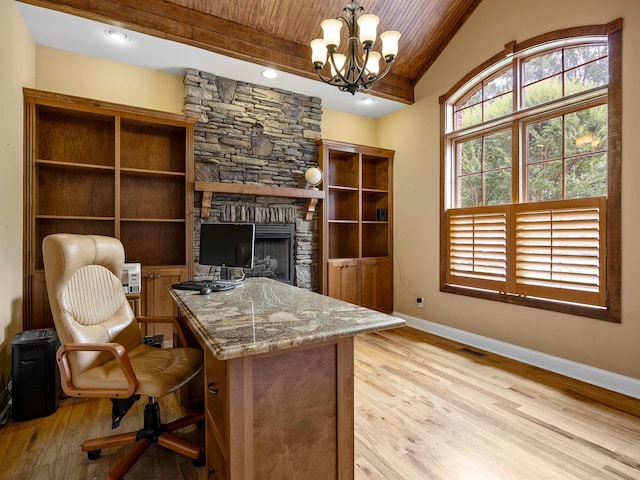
point(358, 83)
point(347, 68)
point(328, 82)
point(363, 67)
point(351, 62)
point(368, 83)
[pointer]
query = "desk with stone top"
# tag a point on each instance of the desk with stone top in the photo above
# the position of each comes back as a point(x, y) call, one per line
point(278, 379)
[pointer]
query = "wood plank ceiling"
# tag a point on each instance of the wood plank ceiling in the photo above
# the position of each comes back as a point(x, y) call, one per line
point(276, 33)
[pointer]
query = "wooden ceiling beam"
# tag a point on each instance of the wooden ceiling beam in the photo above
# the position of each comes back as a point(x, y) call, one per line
point(173, 22)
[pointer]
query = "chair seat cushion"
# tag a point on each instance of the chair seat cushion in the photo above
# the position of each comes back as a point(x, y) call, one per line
point(159, 370)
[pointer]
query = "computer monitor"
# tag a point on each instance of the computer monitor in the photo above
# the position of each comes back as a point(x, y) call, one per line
point(227, 244)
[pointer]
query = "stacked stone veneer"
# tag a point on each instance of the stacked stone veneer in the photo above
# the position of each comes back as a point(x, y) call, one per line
point(260, 136)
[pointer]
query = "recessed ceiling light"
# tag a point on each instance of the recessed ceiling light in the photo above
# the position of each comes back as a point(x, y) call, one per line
point(269, 73)
point(366, 100)
point(116, 35)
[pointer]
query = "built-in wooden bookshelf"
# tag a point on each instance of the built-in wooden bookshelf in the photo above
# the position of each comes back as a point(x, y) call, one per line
point(357, 224)
point(94, 167)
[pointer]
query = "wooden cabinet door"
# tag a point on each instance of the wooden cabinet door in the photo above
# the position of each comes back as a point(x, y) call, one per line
point(156, 299)
point(376, 281)
point(334, 278)
point(342, 280)
point(215, 395)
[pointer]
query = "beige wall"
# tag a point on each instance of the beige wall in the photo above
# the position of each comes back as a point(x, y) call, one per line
point(17, 57)
point(346, 127)
point(74, 74)
point(414, 134)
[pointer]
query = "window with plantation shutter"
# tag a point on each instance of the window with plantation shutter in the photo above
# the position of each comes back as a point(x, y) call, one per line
point(478, 247)
point(559, 250)
point(556, 247)
point(531, 175)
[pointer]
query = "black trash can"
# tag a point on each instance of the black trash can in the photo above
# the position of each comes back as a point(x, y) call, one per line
point(36, 378)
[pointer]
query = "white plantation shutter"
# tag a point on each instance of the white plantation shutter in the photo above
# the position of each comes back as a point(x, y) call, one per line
point(553, 250)
point(477, 253)
point(559, 248)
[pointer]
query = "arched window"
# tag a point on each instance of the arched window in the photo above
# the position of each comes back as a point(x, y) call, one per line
point(531, 175)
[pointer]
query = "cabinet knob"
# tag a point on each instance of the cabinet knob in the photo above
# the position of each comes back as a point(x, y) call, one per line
point(157, 275)
point(211, 472)
point(211, 389)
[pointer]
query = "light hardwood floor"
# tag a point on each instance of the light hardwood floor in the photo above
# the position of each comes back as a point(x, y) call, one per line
point(425, 408)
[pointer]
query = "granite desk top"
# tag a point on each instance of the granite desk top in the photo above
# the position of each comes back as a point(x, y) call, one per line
point(262, 315)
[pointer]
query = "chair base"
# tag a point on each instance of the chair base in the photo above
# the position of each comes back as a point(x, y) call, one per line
point(154, 431)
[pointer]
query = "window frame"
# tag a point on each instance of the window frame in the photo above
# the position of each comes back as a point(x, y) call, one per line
point(611, 93)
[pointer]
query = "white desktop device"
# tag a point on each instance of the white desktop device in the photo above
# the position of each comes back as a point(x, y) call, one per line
point(131, 279)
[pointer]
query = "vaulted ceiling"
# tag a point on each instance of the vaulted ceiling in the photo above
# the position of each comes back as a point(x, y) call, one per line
point(276, 33)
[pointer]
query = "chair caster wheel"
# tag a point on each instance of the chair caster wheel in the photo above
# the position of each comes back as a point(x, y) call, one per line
point(93, 454)
point(199, 462)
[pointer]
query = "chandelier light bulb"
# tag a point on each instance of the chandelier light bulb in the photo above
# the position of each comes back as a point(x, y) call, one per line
point(373, 63)
point(368, 24)
point(331, 29)
point(318, 53)
point(390, 44)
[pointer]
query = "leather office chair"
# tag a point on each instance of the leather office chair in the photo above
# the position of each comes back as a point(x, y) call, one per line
point(102, 354)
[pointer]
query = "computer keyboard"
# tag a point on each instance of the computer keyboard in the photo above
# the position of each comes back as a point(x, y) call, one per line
point(200, 284)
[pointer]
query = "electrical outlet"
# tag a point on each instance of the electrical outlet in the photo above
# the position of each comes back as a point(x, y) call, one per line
point(420, 302)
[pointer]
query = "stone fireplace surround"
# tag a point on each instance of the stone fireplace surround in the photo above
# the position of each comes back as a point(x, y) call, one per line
point(249, 134)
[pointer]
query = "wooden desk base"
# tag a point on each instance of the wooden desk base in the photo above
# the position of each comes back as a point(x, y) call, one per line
point(281, 415)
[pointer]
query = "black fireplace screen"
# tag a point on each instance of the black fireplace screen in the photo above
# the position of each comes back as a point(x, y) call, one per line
point(273, 252)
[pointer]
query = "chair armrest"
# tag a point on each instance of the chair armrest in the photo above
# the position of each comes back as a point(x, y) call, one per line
point(172, 320)
point(121, 357)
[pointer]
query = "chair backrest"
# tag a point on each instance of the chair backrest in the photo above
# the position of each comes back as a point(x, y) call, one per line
point(83, 274)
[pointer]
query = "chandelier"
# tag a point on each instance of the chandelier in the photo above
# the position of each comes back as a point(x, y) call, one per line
point(360, 67)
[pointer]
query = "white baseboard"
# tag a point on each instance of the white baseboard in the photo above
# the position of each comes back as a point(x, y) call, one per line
point(594, 376)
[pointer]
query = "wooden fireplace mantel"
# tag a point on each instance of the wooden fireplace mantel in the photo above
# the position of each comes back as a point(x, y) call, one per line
point(209, 188)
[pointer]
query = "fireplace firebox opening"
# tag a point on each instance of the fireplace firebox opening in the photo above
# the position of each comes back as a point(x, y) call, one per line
point(274, 252)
